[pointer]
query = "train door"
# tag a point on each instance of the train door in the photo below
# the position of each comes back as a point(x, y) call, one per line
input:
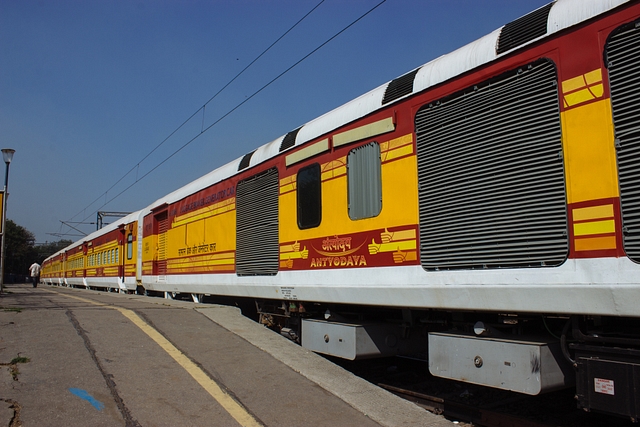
point(83, 262)
point(121, 259)
point(65, 271)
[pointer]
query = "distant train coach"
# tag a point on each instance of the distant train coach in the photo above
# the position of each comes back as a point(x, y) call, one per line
point(481, 212)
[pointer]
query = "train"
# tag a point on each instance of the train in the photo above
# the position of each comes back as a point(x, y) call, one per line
point(480, 212)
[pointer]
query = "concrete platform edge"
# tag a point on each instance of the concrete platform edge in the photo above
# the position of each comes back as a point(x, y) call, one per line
point(372, 401)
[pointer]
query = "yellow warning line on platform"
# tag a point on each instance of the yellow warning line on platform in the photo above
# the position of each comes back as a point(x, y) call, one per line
point(235, 409)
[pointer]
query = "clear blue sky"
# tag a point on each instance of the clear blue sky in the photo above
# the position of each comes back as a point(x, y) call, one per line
point(89, 87)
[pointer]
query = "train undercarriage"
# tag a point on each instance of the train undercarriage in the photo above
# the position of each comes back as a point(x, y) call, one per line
point(525, 353)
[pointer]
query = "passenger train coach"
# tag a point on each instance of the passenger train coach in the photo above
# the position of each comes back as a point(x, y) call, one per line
point(481, 211)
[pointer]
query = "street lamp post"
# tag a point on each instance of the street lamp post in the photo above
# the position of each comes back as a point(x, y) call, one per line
point(7, 155)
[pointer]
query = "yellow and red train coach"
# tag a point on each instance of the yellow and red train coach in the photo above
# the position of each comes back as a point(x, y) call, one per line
point(111, 256)
point(105, 259)
point(497, 162)
point(485, 202)
point(53, 269)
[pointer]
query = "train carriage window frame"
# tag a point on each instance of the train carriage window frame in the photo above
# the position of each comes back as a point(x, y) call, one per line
point(364, 182)
point(309, 196)
point(130, 246)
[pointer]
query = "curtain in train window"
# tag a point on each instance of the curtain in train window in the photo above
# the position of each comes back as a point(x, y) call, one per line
point(364, 179)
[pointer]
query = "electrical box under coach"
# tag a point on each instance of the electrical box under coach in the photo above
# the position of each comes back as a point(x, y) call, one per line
point(349, 340)
point(524, 366)
point(608, 380)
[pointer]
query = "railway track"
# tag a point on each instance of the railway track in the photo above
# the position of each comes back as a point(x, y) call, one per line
point(461, 411)
point(475, 405)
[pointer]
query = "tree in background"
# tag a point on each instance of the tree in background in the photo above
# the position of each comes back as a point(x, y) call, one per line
point(47, 249)
point(19, 244)
point(21, 251)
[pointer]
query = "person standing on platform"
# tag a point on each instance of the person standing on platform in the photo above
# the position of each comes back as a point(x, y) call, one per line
point(35, 273)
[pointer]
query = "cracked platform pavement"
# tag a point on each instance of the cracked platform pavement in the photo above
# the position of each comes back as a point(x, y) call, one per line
point(105, 359)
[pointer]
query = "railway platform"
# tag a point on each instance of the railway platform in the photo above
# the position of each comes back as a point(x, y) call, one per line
point(74, 357)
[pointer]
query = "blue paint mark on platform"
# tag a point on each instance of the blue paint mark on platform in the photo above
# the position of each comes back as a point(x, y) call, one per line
point(82, 394)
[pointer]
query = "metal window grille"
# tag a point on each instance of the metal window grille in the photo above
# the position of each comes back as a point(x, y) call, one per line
point(623, 57)
point(246, 159)
point(491, 176)
point(399, 87)
point(524, 29)
point(163, 227)
point(257, 248)
point(289, 140)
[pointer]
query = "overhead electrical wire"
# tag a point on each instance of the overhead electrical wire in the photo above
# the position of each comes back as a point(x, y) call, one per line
point(137, 165)
point(203, 130)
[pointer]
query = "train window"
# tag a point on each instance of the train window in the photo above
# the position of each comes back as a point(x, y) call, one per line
point(130, 246)
point(364, 181)
point(309, 197)
point(117, 256)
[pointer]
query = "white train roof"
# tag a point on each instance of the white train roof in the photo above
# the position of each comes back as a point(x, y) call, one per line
point(557, 16)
